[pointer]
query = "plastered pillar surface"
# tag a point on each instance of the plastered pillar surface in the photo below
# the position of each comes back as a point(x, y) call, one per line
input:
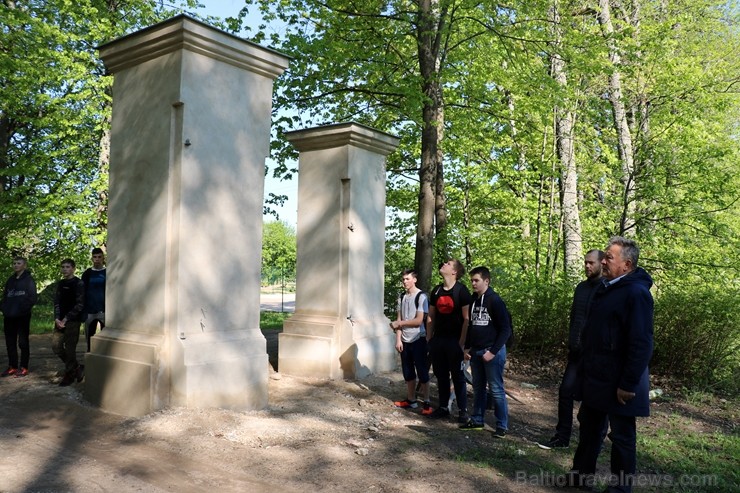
point(189, 135)
point(338, 329)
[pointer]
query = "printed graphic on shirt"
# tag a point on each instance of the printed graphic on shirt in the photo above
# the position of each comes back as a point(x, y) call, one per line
point(480, 316)
point(445, 304)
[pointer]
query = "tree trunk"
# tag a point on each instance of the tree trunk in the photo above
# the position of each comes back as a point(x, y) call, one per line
point(564, 123)
point(521, 163)
point(431, 179)
point(624, 136)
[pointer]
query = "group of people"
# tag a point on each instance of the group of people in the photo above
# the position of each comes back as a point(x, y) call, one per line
point(448, 329)
point(609, 347)
point(75, 301)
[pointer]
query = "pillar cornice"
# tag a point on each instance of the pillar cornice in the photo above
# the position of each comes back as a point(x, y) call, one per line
point(339, 134)
point(185, 33)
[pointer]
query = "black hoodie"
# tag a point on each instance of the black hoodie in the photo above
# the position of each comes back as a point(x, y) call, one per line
point(19, 295)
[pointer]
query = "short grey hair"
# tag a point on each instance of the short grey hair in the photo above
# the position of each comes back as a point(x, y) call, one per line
point(630, 250)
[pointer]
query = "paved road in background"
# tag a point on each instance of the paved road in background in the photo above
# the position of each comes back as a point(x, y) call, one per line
point(277, 302)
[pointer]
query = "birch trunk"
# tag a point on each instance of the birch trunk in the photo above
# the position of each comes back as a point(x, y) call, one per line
point(564, 124)
point(624, 135)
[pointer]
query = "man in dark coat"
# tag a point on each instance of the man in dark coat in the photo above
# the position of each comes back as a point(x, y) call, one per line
point(617, 347)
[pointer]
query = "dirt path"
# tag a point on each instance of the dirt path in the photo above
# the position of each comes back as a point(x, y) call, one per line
point(315, 435)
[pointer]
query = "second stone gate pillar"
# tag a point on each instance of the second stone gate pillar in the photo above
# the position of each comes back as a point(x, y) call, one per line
point(339, 329)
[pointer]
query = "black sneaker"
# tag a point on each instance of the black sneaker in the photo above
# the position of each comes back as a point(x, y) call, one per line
point(499, 433)
point(67, 380)
point(80, 373)
point(440, 412)
point(462, 417)
point(554, 442)
point(472, 425)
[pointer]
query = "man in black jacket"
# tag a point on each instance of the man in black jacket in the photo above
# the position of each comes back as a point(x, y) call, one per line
point(578, 312)
point(617, 347)
point(69, 302)
point(18, 299)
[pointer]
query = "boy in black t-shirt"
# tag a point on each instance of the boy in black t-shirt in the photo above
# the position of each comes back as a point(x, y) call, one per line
point(449, 313)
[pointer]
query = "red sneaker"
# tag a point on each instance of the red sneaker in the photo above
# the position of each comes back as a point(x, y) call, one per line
point(427, 409)
point(406, 404)
point(9, 371)
point(21, 373)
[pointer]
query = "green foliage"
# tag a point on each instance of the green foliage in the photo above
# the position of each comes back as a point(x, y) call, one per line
point(278, 253)
point(697, 336)
point(540, 312)
point(502, 179)
point(54, 116)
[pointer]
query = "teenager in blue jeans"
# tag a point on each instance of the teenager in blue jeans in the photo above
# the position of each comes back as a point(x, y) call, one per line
point(485, 347)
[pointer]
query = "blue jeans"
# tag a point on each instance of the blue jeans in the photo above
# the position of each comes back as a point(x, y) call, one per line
point(489, 374)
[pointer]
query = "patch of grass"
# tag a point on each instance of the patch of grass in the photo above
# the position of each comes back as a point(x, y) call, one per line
point(273, 320)
point(692, 461)
point(508, 457)
point(42, 318)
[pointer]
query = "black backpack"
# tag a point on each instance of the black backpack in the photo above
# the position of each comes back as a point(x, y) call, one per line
point(426, 312)
point(511, 341)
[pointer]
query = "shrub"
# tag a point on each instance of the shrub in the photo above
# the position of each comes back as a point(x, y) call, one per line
point(540, 313)
point(697, 336)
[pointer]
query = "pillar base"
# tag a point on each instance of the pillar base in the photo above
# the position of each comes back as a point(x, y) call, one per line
point(308, 346)
point(227, 370)
point(332, 347)
point(127, 373)
point(376, 347)
point(120, 372)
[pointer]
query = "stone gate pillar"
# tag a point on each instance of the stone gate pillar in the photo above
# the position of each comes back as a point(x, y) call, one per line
point(339, 329)
point(189, 135)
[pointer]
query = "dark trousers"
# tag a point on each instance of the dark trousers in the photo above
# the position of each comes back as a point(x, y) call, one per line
point(64, 345)
point(447, 358)
point(91, 326)
point(17, 331)
point(566, 392)
point(623, 435)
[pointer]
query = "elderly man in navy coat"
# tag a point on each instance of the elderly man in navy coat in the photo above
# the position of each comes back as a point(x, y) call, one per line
point(617, 346)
